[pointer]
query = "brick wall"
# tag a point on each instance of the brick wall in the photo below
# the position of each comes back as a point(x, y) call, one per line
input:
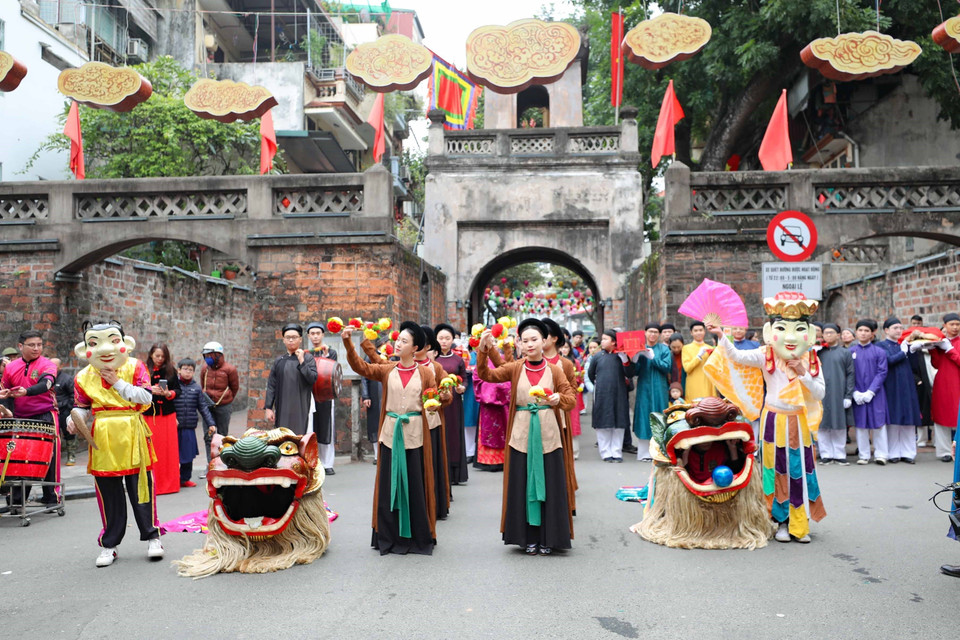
point(152, 303)
point(677, 266)
point(313, 283)
point(929, 286)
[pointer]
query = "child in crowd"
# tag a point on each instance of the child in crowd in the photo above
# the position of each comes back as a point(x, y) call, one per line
point(676, 394)
point(188, 402)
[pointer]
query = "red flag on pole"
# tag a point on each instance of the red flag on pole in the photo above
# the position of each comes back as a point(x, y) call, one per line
point(72, 131)
point(268, 142)
point(376, 121)
point(616, 59)
point(776, 154)
point(670, 114)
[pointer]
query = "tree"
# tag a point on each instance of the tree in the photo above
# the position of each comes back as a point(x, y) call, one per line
point(161, 137)
point(729, 89)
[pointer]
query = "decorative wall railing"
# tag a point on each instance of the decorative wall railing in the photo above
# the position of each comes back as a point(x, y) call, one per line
point(306, 202)
point(97, 207)
point(535, 143)
point(24, 209)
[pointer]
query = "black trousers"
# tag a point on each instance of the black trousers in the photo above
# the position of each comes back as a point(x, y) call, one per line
point(221, 417)
point(113, 509)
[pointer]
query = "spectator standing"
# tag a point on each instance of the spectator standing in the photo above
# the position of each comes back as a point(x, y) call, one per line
point(63, 389)
point(903, 407)
point(870, 412)
point(923, 376)
point(290, 384)
point(161, 418)
point(652, 370)
point(694, 355)
point(740, 340)
point(220, 382)
point(839, 377)
point(945, 358)
point(611, 413)
point(370, 393)
point(848, 338)
point(189, 402)
point(677, 374)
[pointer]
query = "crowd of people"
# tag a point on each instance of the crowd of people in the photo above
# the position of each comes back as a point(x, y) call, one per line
point(454, 403)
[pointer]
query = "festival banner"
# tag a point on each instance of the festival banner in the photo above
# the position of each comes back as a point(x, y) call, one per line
point(376, 121)
point(776, 154)
point(663, 138)
point(72, 131)
point(268, 142)
point(453, 93)
point(616, 59)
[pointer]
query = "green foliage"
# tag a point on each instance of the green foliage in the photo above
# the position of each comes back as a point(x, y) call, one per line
point(729, 89)
point(414, 162)
point(315, 45)
point(408, 232)
point(161, 137)
point(481, 100)
point(401, 104)
point(168, 252)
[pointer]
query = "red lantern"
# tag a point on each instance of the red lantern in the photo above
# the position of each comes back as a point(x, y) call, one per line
point(503, 281)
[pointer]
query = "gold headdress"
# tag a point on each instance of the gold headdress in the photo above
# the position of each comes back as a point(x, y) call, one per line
point(790, 306)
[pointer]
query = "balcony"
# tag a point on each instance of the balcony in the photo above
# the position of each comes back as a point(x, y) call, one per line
point(336, 107)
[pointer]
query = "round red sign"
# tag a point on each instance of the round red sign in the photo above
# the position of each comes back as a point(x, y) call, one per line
point(792, 236)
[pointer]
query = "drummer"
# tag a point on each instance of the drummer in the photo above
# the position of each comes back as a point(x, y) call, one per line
point(322, 418)
point(27, 390)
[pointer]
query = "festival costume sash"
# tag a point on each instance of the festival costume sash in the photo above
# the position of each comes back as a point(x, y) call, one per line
point(399, 479)
point(536, 480)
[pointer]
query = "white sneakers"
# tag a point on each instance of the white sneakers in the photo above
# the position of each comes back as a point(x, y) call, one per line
point(783, 534)
point(106, 557)
point(154, 549)
point(109, 554)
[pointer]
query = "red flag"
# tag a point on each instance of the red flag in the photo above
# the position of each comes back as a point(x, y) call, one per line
point(376, 121)
point(268, 142)
point(670, 114)
point(776, 154)
point(72, 131)
point(616, 58)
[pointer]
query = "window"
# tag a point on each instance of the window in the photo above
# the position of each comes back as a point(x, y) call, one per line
point(58, 11)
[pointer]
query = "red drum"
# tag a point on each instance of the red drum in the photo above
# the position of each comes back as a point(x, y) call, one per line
point(329, 380)
point(32, 447)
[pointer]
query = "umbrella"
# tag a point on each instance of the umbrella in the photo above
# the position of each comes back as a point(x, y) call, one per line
point(716, 303)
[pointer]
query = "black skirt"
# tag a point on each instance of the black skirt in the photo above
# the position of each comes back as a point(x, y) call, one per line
point(386, 537)
point(439, 474)
point(554, 531)
point(456, 451)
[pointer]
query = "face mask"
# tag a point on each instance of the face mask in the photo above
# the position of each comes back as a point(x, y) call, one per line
point(208, 360)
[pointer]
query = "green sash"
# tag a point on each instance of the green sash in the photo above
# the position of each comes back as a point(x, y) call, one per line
point(399, 480)
point(536, 482)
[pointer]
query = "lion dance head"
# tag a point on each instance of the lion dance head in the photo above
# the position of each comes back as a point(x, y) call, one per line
point(705, 490)
point(266, 509)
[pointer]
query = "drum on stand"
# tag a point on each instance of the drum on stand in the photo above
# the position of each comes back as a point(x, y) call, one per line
point(329, 380)
point(26, 448)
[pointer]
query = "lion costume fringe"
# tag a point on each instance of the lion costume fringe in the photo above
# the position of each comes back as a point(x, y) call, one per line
point(302, 542)
point(679, 519)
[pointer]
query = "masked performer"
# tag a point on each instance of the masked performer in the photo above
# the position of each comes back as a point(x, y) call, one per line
point(536, 514)
point(322, 416)
point(404, 512)
point(453, 364)
point(113, 391)
point(791, 408)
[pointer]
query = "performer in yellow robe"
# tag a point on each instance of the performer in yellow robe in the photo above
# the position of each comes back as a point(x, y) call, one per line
point(693, 356)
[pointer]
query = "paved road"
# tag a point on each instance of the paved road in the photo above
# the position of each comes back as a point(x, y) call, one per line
point(872, 570)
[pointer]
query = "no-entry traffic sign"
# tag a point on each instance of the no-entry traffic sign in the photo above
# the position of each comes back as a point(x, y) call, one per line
point(792, 236)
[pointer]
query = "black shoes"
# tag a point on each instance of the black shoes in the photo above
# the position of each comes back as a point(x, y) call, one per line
point(617, 459)
point(909, 461)
point(629, 449)
point(330, 471)
point(951, 570)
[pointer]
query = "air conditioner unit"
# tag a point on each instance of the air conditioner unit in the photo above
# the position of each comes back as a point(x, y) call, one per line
point(137, 48)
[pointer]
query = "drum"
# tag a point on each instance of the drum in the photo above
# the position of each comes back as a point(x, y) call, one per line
point(329, 380)
point(33, 442)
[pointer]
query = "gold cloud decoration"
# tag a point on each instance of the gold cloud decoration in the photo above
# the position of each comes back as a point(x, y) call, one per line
point(12, 72)
point(228, 101)
point(101, 86)
point(668, 38)
point(856, 56)
point(508, 59)
point(390, 63)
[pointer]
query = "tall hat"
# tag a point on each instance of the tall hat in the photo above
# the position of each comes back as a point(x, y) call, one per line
point(789, 305)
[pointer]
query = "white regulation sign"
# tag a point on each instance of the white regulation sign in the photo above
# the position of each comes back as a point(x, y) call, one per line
point(797, 277)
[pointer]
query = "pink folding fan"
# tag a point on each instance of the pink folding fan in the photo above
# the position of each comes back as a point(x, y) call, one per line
point(716, 303)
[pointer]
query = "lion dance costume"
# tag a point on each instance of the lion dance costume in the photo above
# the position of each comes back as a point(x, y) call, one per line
point(266, 505)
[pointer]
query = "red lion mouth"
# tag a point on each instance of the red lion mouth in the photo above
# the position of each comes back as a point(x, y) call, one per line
point(255, 503)
point(698, 479)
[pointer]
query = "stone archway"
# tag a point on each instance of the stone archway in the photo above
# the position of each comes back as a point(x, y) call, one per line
point(526, 255)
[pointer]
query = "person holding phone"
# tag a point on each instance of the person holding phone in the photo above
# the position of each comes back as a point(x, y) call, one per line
point(161, 417)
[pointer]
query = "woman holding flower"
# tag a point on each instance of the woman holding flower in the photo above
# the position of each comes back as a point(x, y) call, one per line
point(535, 513)
point(404, 508)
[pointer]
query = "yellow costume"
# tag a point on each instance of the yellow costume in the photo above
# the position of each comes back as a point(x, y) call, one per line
point(698, 384)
